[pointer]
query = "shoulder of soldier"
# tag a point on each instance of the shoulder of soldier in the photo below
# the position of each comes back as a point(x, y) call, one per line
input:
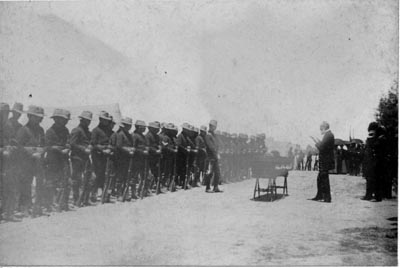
point(77, 130)
point(50, 130)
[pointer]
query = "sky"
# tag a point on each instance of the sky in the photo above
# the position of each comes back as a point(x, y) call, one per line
point(278, 67)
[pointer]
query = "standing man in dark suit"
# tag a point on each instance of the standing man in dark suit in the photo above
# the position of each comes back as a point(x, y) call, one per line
point(326, 162)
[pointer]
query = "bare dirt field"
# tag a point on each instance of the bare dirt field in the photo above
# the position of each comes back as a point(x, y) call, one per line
point(213, 229)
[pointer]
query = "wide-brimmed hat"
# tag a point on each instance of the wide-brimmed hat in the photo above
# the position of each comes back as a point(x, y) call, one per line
point(170, 126)
point(154, 124)
point(105, 115)
point(195, 129)
point(203, 128)
point(163, 125)
point(35, 110)
point(186, 126)
point(86, 115)
point(234, 135)
point(127, 121)
point(18, 107)
point(61, 113)
point(261, 135)
point(213, 122)
point(4, 107)
point(140, 123)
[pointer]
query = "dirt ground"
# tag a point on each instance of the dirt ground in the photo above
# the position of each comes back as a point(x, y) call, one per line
point(213, 229)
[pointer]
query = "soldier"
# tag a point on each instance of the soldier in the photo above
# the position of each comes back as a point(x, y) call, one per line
point(170, 150)
point(185, 145)
point(16, 111)
point(100, 140)
point(140, 159)
point(213, 157)
point(80, 152)
point(31, 140)
point(57, 160)
point(154, 144)
point(202, 155)
point(7, 183)
point(124, 151)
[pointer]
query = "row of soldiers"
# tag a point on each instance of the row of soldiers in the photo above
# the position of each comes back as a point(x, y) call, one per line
point(39, 169)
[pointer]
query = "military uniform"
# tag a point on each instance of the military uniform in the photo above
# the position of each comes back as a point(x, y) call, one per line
point(168, 147)
point(58, 165)
point(7, 183)
point(100, 140)
point(80, 142)
point(154, 145)
point(202, 153)
point(213, 156)
point(184, 143)
point(140, 164)
point(123, 157)
point(31, 135)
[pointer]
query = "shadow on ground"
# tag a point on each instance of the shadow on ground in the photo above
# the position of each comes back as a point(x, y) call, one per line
point(269, 197)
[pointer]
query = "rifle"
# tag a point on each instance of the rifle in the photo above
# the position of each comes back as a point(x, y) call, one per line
point(127, 181)
point(63, 195)
point(187, 169)
point(87, 173)
point(143, 180)
point(173, 181)
point(105, 195)
point(158, 187)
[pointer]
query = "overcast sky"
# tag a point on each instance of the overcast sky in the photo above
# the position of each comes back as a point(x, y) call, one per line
point(279, 67)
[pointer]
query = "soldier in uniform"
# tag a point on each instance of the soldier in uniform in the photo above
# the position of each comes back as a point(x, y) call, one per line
point(100, 140)
point(154, 144)
point(57, 160)
point(185, 145)
point(140, 159)
point(213, 157)
point(169, 150)
point(16, 111)
point(31, 142)
point(201, 156)
point(124, 151)
point(7, 183)
point(80, 152)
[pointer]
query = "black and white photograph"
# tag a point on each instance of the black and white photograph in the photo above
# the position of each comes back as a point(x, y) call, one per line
point(199, 133)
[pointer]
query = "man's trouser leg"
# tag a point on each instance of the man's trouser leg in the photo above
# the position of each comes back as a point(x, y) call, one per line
point(99, 164)
point(78, 166)
point(138, 177)
point(325, 186)
point(369, 188)
point(9, 187)
point(25, 186)
point(319, 192)
point(217, 174)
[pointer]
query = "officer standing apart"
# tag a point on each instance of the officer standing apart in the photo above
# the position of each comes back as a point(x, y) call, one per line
point(326, 163)
point(213, 157)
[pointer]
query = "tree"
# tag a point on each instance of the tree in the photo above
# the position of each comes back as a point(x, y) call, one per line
point(387, 116)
